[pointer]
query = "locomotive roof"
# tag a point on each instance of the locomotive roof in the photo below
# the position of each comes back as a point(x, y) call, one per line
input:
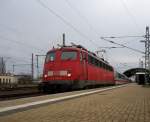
point(79, 48)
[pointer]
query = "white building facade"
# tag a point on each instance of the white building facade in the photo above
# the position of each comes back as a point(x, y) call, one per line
point(7, 79)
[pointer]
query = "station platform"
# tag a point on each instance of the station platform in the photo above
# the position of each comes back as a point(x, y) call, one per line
point(126, 104)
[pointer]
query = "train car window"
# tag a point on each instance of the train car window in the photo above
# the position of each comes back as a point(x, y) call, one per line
point(96, 62)
point(111, 69)
point(93, 61)
point(107, 67)
point(66, 55)
point(50, 56)
point(89, 59)
point(104, 65)
point(99, 63)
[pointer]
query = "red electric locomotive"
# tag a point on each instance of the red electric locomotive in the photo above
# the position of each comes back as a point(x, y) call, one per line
point(75, 67)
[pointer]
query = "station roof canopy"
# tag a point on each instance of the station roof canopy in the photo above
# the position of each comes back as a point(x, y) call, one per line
point(133, 71)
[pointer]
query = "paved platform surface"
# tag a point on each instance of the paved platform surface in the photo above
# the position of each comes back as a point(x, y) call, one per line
point(126, 104)
point(14, 102)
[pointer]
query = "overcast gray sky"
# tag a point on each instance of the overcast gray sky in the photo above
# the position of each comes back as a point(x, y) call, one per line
point(27, 27)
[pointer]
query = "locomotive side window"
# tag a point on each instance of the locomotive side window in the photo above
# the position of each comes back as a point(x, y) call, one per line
point(111, 69)
point(93, 61)
point(97, 63)
point(50, 56)
point(100, 64)
point(90, 60)
point(106, 67)
point(66, 55)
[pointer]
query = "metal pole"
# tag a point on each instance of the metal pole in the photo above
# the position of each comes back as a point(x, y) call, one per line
point(32, 67)
point(37, 66)
point(147, 49)
point(63, 39)
point(13, 68)
point(2, 65)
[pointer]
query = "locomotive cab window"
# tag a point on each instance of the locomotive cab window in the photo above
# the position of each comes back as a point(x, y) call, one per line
point(50, 56)
point(66, 55)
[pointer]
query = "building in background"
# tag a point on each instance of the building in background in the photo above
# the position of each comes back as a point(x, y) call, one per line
point(24, 78)
point(8, 80)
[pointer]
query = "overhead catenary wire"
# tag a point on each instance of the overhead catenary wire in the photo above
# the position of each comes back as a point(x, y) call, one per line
point(124, 37)
point(14, 30)
point(9, 28)
point(20, 43)
point(82, 16)
point(13, 59)
point(131, 15)
point(112, 47)
point(85, 19)
point(136, 50)
point(65, 21)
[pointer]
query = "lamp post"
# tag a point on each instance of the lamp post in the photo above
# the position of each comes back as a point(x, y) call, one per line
point(37, 63)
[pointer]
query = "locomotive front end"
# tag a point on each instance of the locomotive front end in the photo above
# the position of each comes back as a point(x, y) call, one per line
point(60, 68)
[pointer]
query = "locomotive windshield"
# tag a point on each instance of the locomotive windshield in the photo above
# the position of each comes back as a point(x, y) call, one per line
point(66, 55)
point(50, 56)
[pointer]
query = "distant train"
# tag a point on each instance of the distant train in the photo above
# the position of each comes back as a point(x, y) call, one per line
point(121, 78)
point(75, 67)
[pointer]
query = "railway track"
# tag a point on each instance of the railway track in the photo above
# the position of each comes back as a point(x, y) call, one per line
point(19, 92)
point(24, 92)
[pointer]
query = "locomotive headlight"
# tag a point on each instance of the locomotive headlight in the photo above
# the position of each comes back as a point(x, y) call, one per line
point(45, 76)
point(69, 74)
